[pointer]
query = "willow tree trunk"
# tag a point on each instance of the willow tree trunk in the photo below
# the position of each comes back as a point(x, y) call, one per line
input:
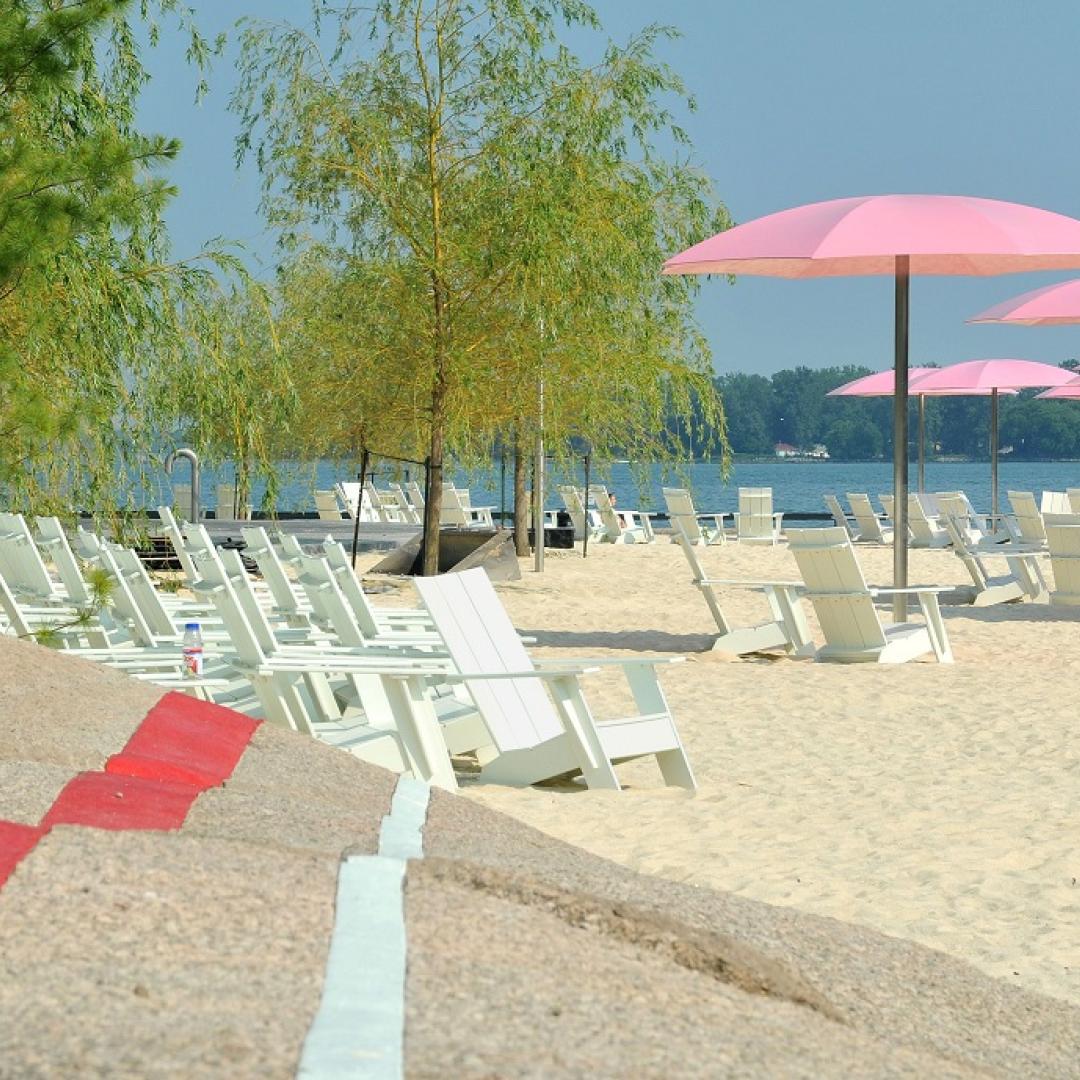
point(521, 502)
point(433, 503)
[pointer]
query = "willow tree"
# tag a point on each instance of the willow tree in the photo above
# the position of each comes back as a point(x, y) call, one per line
point(88, 297)
point(399, 131)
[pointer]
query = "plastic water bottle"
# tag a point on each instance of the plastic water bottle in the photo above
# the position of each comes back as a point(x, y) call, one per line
point(193, 650)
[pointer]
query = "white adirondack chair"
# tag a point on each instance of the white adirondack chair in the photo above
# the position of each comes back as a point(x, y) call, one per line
point(457, 510)
point(924, 525)
point(1073, 495)
point(787, 630)
point(328, 506)
point(867, 521)
point(1055, 502)
point(22, 565)
point(1063, 541)
point(581, 518)
point(844, 605)
point(755, 520)
point(978, 530)
point(620, 526)
point(539, 737)
point(1027, 520)
point(287, 602)
point(1022, 580)
point(841, 518)
point(53, 541)
point(407, 512)
point(696, 528)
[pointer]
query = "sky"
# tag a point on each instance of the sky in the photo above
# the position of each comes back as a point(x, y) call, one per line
point(797, 102)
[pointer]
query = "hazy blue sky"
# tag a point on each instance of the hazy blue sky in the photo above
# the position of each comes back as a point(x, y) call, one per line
point(797, 102)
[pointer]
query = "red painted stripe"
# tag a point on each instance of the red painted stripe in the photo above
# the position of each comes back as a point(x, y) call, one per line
point(181, 748)
point(103, 801)
point(15, 842)
point(185, 740)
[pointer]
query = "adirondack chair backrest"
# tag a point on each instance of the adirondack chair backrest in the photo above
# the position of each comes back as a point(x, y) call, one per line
point(17, 623)
point(923, 522)
point(957, 506)
point(755, 519)
point(142, 591)
point(888, 504)
point(326, 502)
point(348, 492)
point(832, 504)
point(1074, 500)
point(123, 603)
point(171, 527)
point(1063, 542)
point(837, 589)
point(479, 637)
point(21, 562)
point(328, 603)
point(452, 511)
point(866, 518)
point(253, 642)
point(259, 548)
point(1029, 522)
point(1055, 502)
point(350, 586)
point(53, 540)
point(601, 499)
point(575, 507)
point(416, 495)
point(681, 509)
point(407, 511)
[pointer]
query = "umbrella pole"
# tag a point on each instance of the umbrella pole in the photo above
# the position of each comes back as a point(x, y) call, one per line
point(900, 437)
point(922, 443)
point(994, 459)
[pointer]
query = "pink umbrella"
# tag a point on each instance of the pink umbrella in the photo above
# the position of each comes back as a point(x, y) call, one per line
point(881, 383)
point(1065, 391)
point(992, 376)
point(899, 235)
point(1052, 305)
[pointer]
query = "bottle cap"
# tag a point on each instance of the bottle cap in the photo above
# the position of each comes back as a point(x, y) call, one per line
point(191, 626)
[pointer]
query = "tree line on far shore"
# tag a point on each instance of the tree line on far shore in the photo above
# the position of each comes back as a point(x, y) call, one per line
point(792, 407)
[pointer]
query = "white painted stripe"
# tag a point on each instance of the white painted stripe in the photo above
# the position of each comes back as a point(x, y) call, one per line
point(359, 1030)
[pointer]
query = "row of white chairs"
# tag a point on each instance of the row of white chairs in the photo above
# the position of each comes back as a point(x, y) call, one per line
point(305, 648)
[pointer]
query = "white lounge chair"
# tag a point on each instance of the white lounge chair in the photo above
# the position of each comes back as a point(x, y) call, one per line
point(787, 630)
point(844, 605)
point(539, 737)
point(978, 530)
point(1026, 522)
point(22, 565)
point(581, 518)
point(924, 522)
point(457, 510)
point(620, 526)
point(326, 503)
point(1063, 542)
point(696, 528)
point(755, 520)
point(840, 517)
point(1022, 581)
point(868, 521)
point(1055, 502)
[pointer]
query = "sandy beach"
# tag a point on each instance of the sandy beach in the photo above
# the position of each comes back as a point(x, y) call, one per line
point(935, 803)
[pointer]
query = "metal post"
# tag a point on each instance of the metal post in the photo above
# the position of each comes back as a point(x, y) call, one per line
point(585, 540)
point(922, 443)
point(502, 490)
point(359, 504)
point(196, 494)
point(994, 458)
point(900, 436)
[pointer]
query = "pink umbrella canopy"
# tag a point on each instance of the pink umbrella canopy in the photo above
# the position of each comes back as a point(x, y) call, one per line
point(899, 235)
point(1066, 391)
point(1052, 305)
point(993, 377)
point(939, 234)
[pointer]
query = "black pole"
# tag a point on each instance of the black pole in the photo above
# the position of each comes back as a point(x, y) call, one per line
point(994, 459)
point(502, 489)
point(900, 436)
point(359, 504)
point(585, 538)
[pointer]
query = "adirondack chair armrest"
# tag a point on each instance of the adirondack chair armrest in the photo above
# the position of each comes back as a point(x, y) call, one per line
point(562, 672)
point(751, 584)
point(912, 590)
point(778, 517)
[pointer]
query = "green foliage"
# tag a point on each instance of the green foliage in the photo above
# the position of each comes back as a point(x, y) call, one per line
point(494, 216)
point(101, 587)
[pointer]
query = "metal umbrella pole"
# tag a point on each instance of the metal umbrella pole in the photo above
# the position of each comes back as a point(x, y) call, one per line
point(922, 443)
point(900, 436)
point(994, 458)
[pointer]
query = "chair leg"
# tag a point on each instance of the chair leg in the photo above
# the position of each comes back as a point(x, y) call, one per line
point(935, 627)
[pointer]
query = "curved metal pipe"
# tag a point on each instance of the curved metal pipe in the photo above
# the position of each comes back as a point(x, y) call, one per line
point(193, 458)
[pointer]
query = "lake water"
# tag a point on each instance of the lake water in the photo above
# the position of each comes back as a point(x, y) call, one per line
point(798, 487)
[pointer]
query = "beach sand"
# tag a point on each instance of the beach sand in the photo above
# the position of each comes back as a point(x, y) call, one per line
point(932, 802)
